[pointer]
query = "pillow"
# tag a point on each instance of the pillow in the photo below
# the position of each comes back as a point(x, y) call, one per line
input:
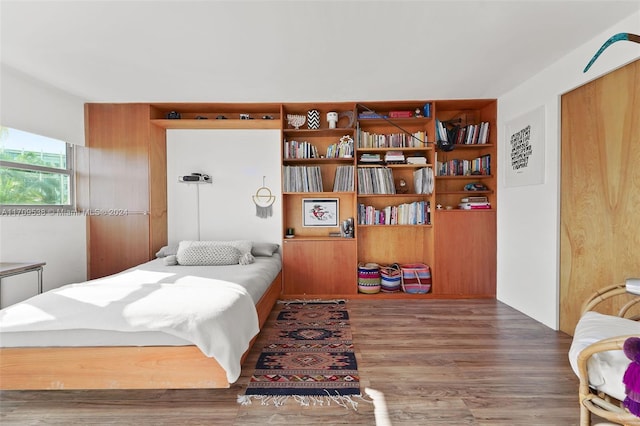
point(214, 253)
point(167, 251)
point(264, 249)
point(170, 260)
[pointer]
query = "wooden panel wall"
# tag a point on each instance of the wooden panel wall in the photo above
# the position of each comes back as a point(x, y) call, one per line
point(600, 188)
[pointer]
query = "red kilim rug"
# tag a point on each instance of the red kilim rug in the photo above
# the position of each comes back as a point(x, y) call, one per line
point(308, 356)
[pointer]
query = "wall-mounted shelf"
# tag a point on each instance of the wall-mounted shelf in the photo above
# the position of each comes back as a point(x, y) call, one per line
point(216, 124)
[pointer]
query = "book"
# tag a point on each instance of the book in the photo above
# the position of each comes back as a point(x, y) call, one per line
point(416, 160)
point(474, 200)
point(400, 114)
point(474, 206)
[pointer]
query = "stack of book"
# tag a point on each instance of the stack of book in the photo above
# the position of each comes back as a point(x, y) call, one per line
point(474, 203)
point(370, 114)
point(394, 157)
point(342, 149)
point(460, 167)
point(300, 149)
point(416, 160)
point(471, 134)
point(302, 179)
point(423, 180)
point(343, 181)
point(392, 140)
point(400, 114)
point(415, 213)
point(368, 158)
point(375, 180)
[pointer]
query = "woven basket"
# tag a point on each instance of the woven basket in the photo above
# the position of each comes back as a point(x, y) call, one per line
point(416, 278)
point(390, 278)
point(369, 278)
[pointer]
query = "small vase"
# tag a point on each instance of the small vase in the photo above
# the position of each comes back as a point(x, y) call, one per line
point(313, 119)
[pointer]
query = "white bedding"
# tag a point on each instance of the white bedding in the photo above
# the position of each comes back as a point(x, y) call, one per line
point(212, 307)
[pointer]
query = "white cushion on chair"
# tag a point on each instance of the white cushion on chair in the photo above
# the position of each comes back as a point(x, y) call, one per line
point(606, 369)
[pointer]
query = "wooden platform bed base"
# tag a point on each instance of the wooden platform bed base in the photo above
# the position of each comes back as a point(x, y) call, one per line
point(123, 367)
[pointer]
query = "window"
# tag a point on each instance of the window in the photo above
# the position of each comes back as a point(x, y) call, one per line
point(35, 171)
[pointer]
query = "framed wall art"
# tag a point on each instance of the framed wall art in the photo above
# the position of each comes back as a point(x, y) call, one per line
point(320, 212)
point(525, 149)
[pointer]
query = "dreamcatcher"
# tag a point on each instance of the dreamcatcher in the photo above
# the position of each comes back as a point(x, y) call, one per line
point(264, 200)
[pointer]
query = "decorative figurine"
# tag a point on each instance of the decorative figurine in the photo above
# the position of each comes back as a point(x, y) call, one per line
point(332, 118)
point(296, 120)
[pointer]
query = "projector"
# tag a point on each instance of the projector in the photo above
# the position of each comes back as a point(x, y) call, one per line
point(195, 178)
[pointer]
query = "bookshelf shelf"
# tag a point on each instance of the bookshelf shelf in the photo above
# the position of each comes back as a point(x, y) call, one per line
point(346, 160)
point(464, 177)
point(216, 124)
point(396, 196)
point(465, 193)
point(339, 132)
point(422, 225)
point(470, 146)
point(326, 194)
point(406, 149)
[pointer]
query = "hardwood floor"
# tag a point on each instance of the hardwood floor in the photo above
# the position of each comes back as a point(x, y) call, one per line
point(430, 362)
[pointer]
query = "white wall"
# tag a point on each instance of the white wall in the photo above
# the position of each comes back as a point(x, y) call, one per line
point(237, 160)
point(30, 105)
point(529, 216)
point(60, 241)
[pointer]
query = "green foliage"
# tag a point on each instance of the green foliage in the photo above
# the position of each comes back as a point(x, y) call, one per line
point(28, 187)
point(21, 187)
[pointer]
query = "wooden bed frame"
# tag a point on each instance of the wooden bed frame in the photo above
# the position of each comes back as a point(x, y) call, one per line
point(122, 367)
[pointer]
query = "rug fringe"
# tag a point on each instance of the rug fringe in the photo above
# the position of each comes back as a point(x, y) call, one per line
point(304, 301)
point(345, 401)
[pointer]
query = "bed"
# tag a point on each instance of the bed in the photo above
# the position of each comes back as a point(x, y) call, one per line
point(158, 325)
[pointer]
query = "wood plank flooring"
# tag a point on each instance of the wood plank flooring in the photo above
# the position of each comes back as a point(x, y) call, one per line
point(428, 362)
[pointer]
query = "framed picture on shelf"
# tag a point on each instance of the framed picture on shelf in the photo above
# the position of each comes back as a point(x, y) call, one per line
point(320, 212)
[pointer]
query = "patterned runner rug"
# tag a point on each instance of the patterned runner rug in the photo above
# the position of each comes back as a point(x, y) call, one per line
point(308, 357)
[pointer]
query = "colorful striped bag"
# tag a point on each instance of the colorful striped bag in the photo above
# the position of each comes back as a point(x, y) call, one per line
point(369, 278)
point(390, 278)
point(416, 278)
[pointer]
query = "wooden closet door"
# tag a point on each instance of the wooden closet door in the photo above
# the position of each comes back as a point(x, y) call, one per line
point(117, 177)
point(600, 188)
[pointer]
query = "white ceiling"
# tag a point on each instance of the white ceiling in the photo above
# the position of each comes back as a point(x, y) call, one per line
point(262, 51)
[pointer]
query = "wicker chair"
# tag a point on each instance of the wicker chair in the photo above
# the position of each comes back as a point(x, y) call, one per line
point(597, 358)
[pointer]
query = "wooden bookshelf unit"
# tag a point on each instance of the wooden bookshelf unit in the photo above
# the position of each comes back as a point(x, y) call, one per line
point(361, 165)
point(459, 245)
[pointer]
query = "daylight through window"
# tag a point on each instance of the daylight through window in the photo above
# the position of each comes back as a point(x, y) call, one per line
point(35, 170)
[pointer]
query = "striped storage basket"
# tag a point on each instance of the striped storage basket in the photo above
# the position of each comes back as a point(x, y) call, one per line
point(416, 278)
point(390, 278)
point(369, 278)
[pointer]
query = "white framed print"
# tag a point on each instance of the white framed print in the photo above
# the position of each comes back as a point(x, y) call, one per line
point(525, 149)
point(320, 212)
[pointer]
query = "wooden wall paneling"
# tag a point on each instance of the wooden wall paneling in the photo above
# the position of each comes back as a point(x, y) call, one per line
point(157, 188)
point(600, 188)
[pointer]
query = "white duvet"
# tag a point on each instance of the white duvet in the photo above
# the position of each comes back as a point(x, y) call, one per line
point(217, 316)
